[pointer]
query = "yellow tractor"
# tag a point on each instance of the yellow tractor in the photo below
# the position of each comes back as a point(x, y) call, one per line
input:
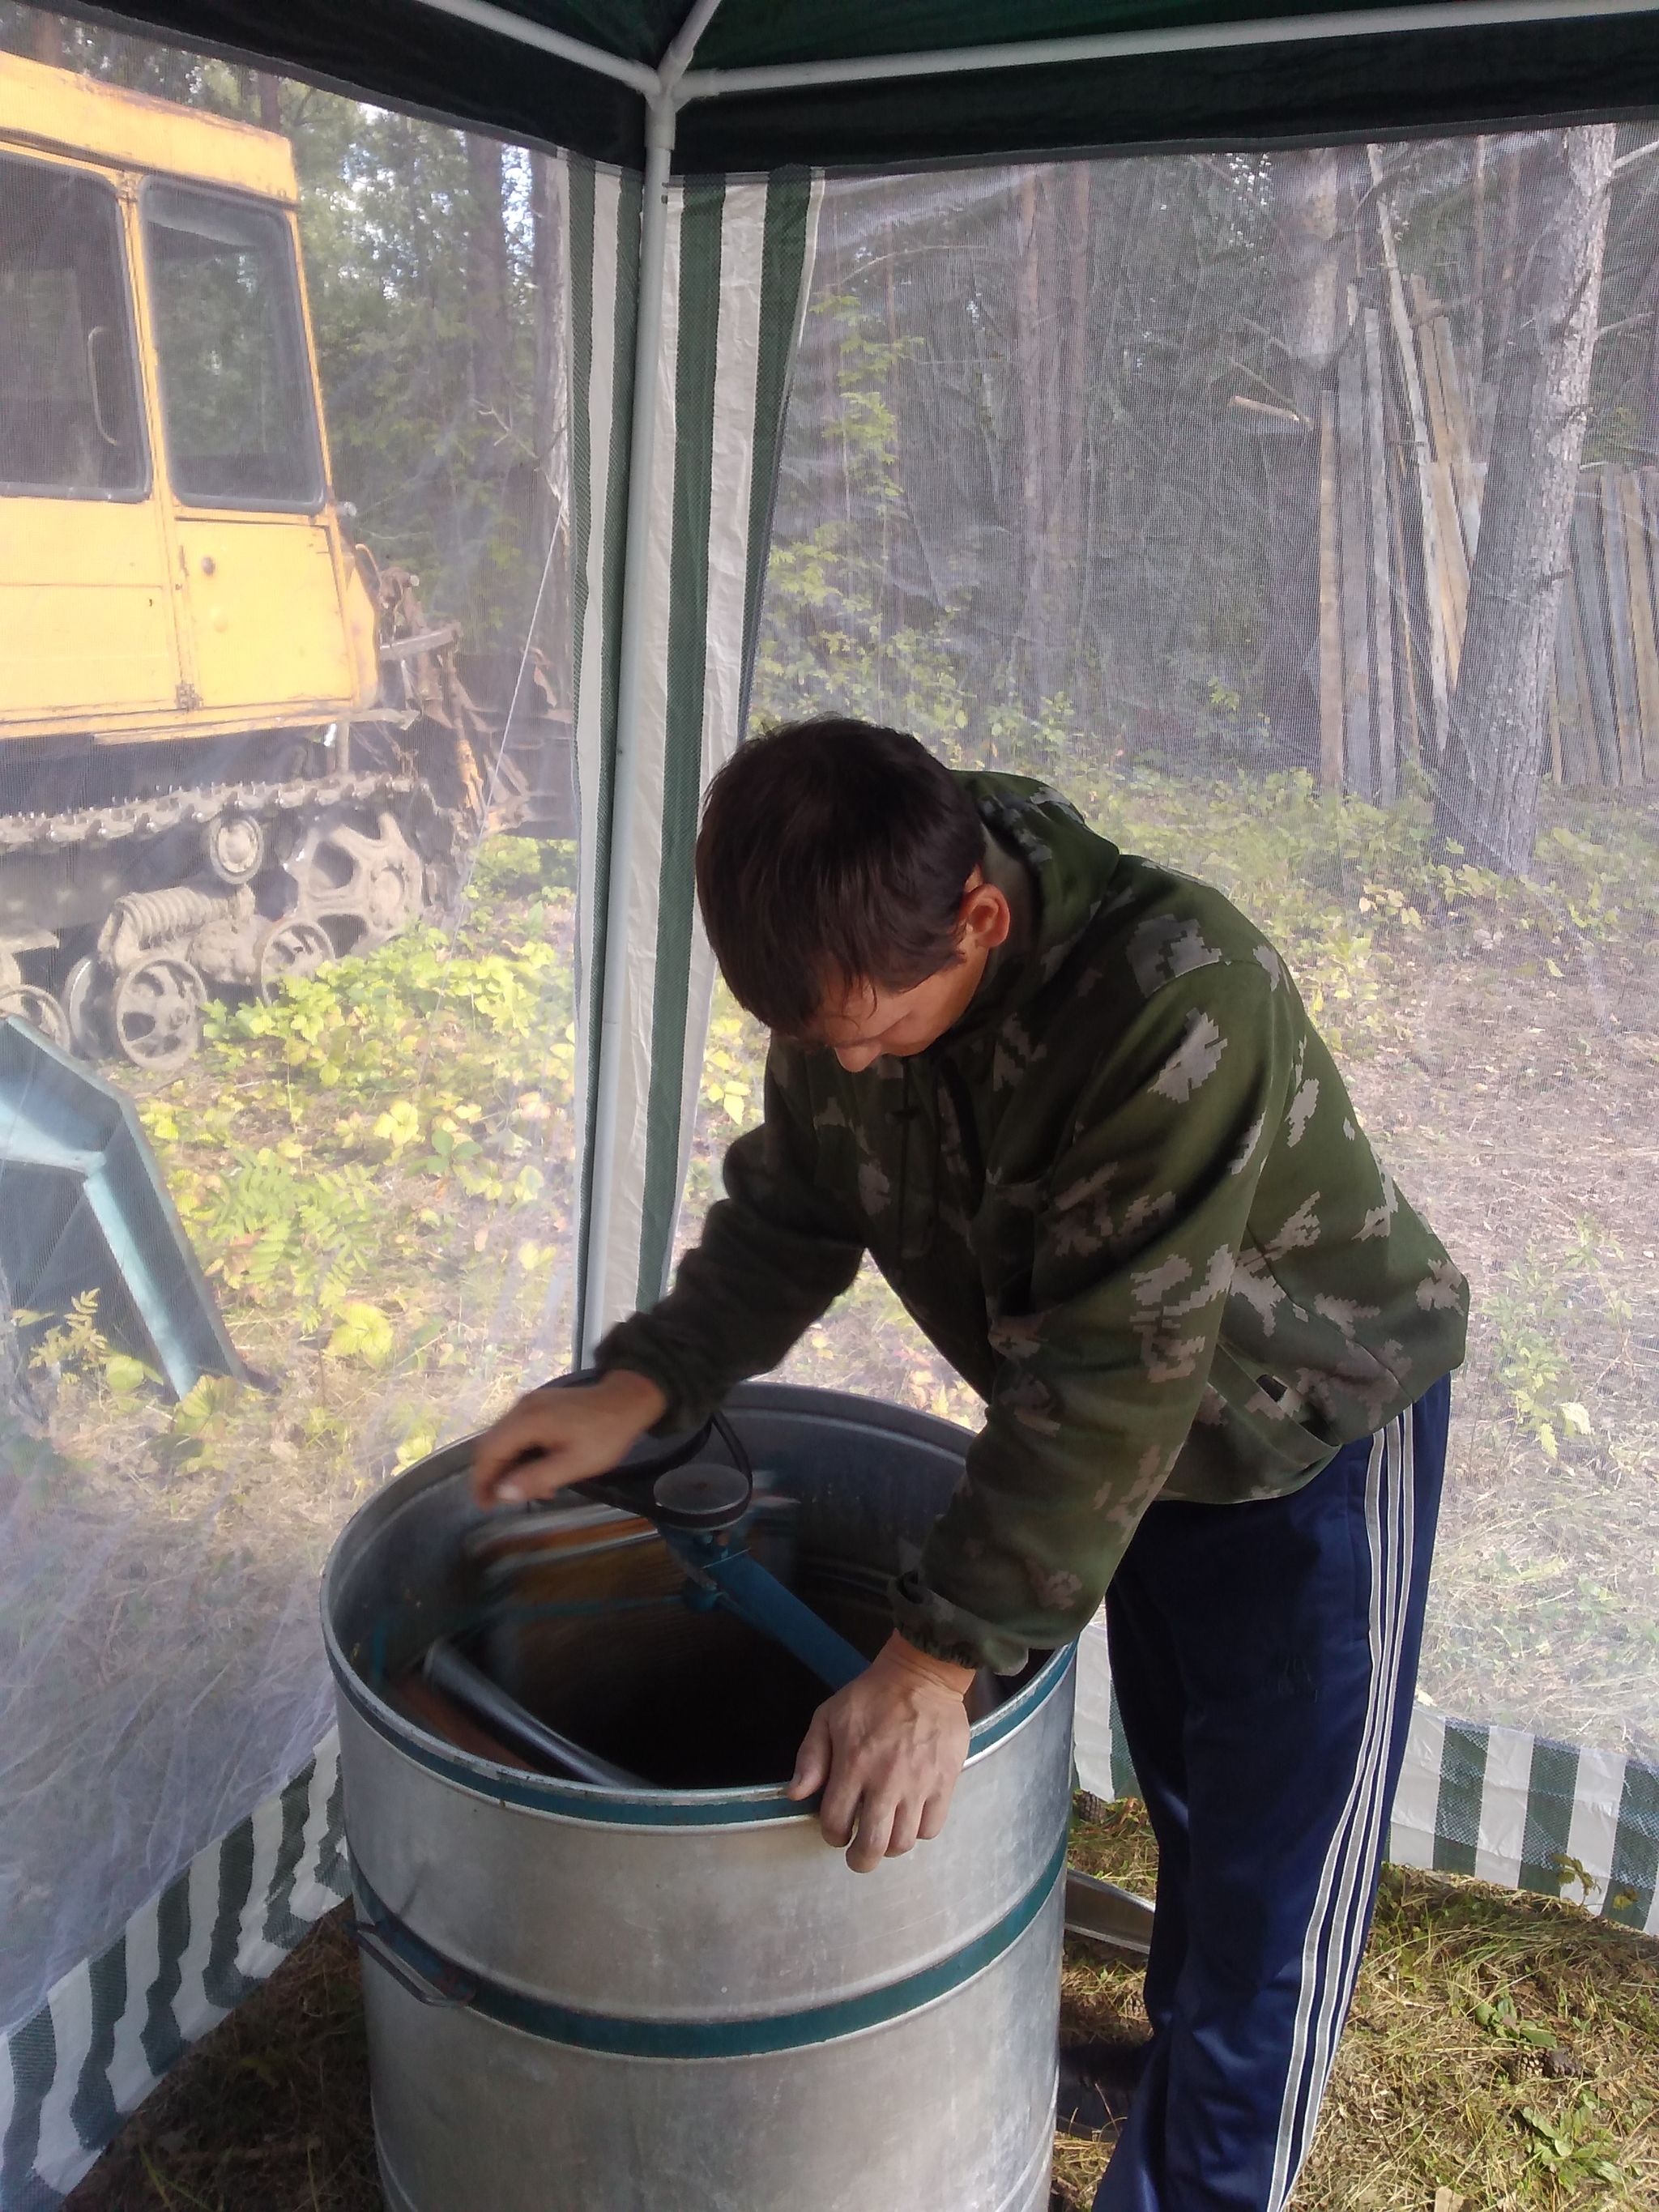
point(231, 749)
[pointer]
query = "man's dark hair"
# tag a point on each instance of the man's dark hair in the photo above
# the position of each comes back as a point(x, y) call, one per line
point(832, 852)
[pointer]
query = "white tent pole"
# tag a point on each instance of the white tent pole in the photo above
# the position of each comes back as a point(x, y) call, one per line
point(677, 60)
point(642, 78)
point(630, 653)
point(686, 84)
point(1109, 45)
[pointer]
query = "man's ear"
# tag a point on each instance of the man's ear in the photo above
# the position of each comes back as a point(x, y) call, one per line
point(987, 917)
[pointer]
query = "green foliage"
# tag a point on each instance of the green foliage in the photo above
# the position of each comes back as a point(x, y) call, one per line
point(339, 1155)
point(202, 1430)
point(305, 1237)
point(522, 867)
point(1574, 2145)
point(75, 1345)
point(364, 1333)
point(126, 1374)
point(734, 1064)
point(387, 208)
point(1531, 1307)
point(353, 1027)
point(1499, 2018)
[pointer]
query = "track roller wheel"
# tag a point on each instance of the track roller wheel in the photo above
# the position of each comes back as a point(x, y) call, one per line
point(157, 1014)
point(235, 847)
point(293, 949)
point(87, 1035)
point(39, 1008)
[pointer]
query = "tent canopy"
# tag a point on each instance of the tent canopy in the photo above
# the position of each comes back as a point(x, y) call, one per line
point(769, 84)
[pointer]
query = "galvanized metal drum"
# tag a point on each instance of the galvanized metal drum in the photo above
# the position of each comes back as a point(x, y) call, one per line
point(597, 1999)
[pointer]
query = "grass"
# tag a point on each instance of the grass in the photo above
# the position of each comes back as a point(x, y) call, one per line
point(1503, 2048)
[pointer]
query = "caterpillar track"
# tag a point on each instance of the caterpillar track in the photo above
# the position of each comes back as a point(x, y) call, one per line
point(120, 920)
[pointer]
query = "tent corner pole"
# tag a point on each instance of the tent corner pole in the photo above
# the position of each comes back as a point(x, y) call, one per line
point(631, 653)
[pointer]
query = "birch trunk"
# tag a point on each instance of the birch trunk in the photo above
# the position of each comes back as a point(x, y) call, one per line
point(549, 420)
point(487, 277)
point(1307, 192)
point(1487, 797)
point(1033, 372)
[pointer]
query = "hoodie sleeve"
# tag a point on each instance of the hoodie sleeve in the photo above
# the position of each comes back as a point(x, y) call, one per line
point(1100, 1371)
point(775, 1253)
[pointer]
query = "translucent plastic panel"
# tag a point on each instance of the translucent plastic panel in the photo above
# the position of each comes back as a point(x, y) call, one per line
point(1164, 480)
point(285, 859)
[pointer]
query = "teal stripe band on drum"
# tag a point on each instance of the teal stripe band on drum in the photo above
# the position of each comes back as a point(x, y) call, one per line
point(715, 2039)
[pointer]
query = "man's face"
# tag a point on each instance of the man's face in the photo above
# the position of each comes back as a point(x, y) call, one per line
point(869, 1021)
point(862, 1022)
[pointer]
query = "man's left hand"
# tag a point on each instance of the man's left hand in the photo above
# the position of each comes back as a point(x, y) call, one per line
point(886, 1752)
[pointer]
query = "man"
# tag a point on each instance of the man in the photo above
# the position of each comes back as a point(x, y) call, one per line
point(1073, 1105)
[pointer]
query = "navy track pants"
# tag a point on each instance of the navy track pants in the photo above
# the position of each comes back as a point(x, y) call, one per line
point(1265, 1658)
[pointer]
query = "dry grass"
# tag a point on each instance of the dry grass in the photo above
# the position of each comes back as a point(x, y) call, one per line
point(1424, 2098)
point(270, 2113)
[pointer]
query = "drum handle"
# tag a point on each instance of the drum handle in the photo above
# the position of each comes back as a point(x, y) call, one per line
point(373, 1944)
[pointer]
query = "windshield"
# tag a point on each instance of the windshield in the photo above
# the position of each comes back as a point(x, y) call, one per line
point(235, 381)
point(69, 405)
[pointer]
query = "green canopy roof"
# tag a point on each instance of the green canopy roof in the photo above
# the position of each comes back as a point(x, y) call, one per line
point(894, 84)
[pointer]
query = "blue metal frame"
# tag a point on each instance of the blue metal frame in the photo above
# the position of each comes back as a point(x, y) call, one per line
point(83, 1205)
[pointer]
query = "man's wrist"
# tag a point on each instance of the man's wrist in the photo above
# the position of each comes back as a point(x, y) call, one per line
point(898, 1651)
point(635, 1395)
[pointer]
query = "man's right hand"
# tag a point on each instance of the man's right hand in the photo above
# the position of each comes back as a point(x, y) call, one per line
point(553, 1437)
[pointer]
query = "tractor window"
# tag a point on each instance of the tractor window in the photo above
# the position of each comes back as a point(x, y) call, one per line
point(235, 378)
point(69, 400)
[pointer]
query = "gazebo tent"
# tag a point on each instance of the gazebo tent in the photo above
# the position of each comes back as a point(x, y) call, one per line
point(698, 144)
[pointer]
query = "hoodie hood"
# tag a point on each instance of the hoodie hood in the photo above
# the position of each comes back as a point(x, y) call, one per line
point(1070, 869)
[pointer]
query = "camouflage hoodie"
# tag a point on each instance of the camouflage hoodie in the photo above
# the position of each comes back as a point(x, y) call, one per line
point(1126, 1197)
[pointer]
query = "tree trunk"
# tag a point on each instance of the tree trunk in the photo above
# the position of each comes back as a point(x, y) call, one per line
point(1073, 413)
point(1307, 191)
point(549, 427)
point(49, 42)
point(486, 274)
point(270, 112)
point(1487, 798)
point(1032, 376)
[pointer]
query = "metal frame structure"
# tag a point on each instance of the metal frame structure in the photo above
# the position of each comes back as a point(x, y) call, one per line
point(674, 83)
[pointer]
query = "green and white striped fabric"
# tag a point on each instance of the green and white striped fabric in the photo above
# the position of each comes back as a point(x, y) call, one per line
point(1509, 1807)
point(737, 267)
point(112, 2027)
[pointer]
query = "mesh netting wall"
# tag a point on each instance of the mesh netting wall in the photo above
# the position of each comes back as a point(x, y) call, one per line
point(1203, 488)
point(1164, 480)
point(284, 858)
